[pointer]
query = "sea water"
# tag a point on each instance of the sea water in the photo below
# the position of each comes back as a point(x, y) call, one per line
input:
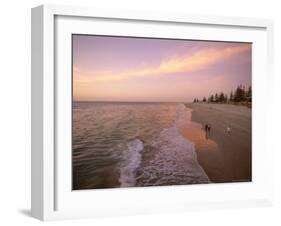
point(132, 144)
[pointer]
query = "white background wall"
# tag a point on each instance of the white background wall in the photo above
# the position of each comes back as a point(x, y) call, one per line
point(15, 112)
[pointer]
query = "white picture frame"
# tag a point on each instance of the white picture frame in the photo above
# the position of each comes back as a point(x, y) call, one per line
point(52, 197)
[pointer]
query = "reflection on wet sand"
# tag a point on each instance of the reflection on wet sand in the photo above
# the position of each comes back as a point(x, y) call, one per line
point(201, 138)
point(209, 154)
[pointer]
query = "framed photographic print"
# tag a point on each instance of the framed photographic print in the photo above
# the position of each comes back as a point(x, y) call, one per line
point(137, 112)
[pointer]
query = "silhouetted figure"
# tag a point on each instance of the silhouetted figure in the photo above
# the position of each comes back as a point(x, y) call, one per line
point(209, 128)
point(206, 128)
point(206, 131)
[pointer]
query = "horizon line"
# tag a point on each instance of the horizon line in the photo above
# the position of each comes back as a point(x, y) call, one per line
point(101, 101)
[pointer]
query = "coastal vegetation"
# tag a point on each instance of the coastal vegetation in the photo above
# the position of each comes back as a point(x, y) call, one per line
point(241, 95)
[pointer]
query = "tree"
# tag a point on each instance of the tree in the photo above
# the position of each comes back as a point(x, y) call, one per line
point(239, 94)
point(204, 99)
point(249, 94)
point(243, 93)
point(221, 97)
point(216, 97)
point(212, 98)
point(231, 97)
point(225, 98)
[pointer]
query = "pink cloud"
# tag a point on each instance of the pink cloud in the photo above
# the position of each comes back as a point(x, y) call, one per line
point(198, 60)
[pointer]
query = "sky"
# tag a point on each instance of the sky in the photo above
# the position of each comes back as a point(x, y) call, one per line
point(156, 70)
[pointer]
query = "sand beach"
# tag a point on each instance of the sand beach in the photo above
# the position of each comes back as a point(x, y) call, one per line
point(224, 157)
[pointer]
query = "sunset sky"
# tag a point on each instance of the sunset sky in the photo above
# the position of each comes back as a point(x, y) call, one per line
point(139, 69)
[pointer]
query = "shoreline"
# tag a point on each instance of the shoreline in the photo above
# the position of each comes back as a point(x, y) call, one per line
point(224, 157)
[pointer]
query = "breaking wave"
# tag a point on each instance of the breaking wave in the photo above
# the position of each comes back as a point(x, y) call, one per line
point(175, 160)
point(131, 162)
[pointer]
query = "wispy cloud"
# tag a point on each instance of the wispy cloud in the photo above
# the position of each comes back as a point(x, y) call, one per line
point(200, 59)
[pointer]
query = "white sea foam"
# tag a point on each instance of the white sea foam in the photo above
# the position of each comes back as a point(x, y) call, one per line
point(175, 161)
point(131, 161)
point(183, 117)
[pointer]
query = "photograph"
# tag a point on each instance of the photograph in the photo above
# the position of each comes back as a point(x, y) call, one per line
point(149, 111)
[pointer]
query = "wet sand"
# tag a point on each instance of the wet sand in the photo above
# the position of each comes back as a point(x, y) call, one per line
point(224, 157)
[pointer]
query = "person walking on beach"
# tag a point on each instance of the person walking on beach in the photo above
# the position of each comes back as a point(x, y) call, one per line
point(206, 128)
point(206, 131)
point(209, 128)
point(228, 130)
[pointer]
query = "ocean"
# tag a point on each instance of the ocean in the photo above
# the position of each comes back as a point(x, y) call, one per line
point(132, 145)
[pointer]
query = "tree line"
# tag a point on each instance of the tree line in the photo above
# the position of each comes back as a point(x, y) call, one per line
point(241, 94)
